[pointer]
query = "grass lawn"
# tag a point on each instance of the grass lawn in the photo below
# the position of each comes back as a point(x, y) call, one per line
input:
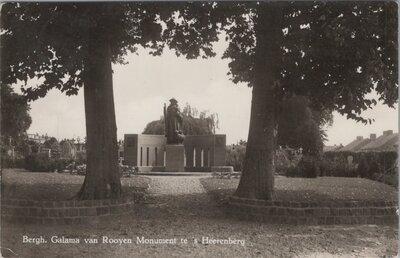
point(40, 186)
point(311, 189)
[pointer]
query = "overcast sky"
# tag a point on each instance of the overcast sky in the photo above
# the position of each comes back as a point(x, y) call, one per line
point(146, 83)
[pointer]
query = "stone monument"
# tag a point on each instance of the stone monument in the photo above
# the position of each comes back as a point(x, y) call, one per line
point(175, 151)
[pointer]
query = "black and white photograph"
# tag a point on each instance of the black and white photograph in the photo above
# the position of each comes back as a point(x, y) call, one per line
point(199, 129)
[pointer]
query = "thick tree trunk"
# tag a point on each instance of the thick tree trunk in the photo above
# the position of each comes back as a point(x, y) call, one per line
point(257, 179)
point(102, 176)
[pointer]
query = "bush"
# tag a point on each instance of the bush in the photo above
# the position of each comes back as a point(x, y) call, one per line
point(80, 158)
point(283, 160)
point(374, 167)
point(370, 165)
point(338, 168)
point(389, 179)
point(39, 162)
point(293, 172)
point(308, 166)
point(8, 162)
point(363, 168)
point(235, 157)
point(61, 164)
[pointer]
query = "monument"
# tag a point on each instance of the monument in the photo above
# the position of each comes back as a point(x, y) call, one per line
point(175, 151)
point(173, 123)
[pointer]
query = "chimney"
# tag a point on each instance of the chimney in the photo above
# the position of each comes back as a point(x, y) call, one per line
point(359, 138)
point(388, 132)
point(372, 136)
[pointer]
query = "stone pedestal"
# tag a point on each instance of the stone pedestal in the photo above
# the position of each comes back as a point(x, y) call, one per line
point(175, 155)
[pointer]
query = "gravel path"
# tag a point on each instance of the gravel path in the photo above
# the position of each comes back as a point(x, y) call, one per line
point(175, 185)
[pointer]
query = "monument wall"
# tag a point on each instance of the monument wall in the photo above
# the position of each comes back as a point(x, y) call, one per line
point(201, 151)
point(144, 150)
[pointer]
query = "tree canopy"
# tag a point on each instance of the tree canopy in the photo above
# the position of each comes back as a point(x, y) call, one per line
point(193, 123)
point(301, 127)
point(332, 53)
point(15, 118)
point(59, 35)
point(67, 46)
point(335, 53)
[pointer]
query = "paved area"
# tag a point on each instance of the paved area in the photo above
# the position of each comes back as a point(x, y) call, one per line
point(176, 185)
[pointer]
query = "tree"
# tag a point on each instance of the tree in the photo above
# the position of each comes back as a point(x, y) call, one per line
point(193, 123)
point(333, 53)
point(308, 49)
point(15, 118)
point(301, 127)
point(51, 143)
point(72, 45)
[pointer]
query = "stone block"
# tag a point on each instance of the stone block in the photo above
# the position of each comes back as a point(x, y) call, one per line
point(59, 204)
point(90, 211)
point(175, 156)
point(72, 212)
point(222, 169)
point(105, 210)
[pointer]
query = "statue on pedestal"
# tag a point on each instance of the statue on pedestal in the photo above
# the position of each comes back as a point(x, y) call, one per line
point(173, 123)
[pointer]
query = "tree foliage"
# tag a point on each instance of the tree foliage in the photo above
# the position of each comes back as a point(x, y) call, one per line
point(59, 36)
point(193, 123)
point(52, 144)
point(301, 127)
point(334, 53)
point(72, 45)
point(15, 118)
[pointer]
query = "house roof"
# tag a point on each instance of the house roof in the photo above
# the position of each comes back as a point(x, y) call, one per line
point(385, 142)
point(356, 144)
point(332, 148)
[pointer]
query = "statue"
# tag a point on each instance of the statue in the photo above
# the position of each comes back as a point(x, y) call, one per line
point(173, 123)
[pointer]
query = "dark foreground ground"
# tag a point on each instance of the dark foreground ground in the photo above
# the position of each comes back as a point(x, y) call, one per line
point(181, 208)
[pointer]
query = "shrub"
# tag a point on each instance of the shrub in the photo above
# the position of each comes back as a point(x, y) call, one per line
point(372, 165)
point(80, 157)
point(363, 168)
point(293, 172)
point(284, 161)
point(61, 164)
point(308, 167)
point(235, 157)
point(8, 162)
point(389, 179)
point(39, 162)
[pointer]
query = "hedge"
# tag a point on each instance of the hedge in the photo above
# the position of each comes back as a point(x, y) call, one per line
point(40, 162)
point(365, 163)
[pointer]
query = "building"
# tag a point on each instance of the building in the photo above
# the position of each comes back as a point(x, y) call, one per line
point(40, 139)
point(358, 143)
point(388, 141)
point(332, 148)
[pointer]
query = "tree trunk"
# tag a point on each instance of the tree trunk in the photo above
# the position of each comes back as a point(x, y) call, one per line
point(257, 180)
point(102, 178)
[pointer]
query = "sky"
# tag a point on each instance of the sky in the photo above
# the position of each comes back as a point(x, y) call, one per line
point(143, 86)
